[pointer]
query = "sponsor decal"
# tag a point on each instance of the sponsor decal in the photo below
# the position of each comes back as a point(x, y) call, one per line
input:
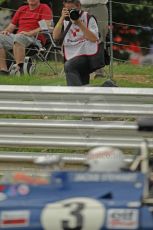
point(13, 219)
point(2, 196)
point(105, 177)
point(2, 188)
point(11, 191)
point(23, 189)
point(33, 180)
point(122, 219)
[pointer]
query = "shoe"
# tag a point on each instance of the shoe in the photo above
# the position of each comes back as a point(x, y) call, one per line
point(109, 83)
point(4, 72)
point(16, 70)
point(20, 66)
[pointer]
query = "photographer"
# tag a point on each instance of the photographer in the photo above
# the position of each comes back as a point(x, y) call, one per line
point(80, 41)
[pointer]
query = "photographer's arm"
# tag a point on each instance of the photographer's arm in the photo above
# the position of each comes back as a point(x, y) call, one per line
point(89, 35)
point(57, 32)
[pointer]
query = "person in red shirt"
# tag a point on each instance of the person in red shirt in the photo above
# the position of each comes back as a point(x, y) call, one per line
point(26, 22)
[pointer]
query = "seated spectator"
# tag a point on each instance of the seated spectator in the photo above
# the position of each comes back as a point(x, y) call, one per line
point(25, 21)
point(80, 41)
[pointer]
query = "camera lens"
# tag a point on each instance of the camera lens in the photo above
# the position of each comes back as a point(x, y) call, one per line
point(74, 14)
point(67, 18)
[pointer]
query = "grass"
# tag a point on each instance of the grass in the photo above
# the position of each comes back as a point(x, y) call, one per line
point(125, 75)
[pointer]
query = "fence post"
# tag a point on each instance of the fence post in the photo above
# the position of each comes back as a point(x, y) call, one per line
point(111, 39)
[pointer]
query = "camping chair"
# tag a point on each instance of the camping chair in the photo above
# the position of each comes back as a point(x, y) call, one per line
point(34, 52)
point(50, 46)
point(29, 61)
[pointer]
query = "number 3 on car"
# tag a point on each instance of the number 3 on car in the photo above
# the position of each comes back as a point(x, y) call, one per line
point(71, 214)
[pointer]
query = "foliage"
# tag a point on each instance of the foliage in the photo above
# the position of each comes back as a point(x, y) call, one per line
point(138, 13)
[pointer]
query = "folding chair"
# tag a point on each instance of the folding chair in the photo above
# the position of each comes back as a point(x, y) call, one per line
point(29, 61)
point(51, 46)
point(35, 51)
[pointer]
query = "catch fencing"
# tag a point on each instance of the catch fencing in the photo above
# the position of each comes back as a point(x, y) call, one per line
point(113, 23)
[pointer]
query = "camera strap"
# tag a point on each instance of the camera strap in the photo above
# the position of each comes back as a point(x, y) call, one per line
point(67, 29)
point(65, 32)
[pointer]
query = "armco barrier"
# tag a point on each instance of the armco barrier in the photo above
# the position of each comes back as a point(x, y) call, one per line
point(72, 117)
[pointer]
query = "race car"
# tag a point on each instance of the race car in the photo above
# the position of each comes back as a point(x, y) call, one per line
point(105, 195)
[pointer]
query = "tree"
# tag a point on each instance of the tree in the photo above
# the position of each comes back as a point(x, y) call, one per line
point(138, 13)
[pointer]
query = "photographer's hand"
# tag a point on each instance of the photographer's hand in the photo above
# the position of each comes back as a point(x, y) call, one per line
point(65, 13)
point(87, 33)
point(58, 28)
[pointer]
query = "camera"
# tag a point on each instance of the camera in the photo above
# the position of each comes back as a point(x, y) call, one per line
point(74, 15)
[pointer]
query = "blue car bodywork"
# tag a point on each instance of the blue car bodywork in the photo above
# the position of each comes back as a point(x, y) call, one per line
point(77, 201)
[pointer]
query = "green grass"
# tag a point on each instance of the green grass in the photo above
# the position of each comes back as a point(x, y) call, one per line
point(133, 69)
point(125, 75)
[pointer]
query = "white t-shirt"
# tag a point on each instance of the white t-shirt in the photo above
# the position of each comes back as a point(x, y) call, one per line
point(93, 2)
point(75, 44)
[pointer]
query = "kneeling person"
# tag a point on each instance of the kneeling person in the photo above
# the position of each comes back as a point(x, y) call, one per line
point(80, 41)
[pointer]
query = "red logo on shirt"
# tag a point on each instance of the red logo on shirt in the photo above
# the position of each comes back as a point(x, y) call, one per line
point(75, 31)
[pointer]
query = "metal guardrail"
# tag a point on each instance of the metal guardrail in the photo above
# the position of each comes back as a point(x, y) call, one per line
point(70, 158)
point(28, 157)
point(77, 101)
point(70, 133)
point(84, 101)
point(26, 162)
point(29, 141)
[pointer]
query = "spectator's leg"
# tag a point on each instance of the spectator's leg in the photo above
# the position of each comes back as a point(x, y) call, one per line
point(19, 48)
point(19, 53)
point(3, 65)
point(76, 71)
point(21, 42)
point(6, 43)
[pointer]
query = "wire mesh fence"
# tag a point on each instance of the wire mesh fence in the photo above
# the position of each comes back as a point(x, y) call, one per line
point(121, 50)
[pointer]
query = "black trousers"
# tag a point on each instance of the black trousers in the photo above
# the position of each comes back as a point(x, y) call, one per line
point(76, 70)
